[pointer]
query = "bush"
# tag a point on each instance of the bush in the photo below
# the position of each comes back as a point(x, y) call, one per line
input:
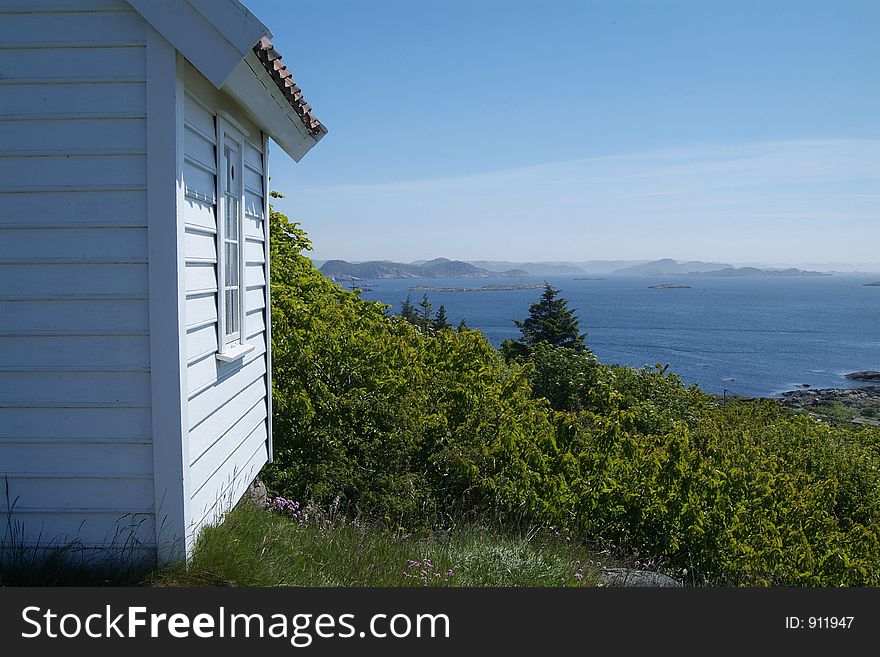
point(420, 428)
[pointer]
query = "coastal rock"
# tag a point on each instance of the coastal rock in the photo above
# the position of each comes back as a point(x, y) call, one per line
point(629, 577)
point(867, 375)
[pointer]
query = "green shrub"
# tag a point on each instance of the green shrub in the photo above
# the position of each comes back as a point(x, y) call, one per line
point(421, 428)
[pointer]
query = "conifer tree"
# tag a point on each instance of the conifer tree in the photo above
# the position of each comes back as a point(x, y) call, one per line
point(408, 311)
point(424, 320)
point(440, 322)
point(550, 321)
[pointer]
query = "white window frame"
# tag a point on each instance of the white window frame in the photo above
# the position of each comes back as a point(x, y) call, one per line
point(235, 347)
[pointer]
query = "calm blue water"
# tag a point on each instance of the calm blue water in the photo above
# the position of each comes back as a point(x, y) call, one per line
point(749, 336)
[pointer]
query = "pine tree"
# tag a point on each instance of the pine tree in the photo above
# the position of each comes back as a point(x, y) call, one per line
point(408, 311)
point(550, 321)
point(424, 320)
point(440, 322)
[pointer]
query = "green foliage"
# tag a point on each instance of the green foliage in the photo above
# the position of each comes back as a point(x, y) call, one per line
point(395, 422)
point(550, 321)
point(421, 428)
point(422, 318)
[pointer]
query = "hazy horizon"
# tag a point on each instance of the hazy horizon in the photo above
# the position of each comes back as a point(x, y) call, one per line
point(738, 132)
point(842, 267)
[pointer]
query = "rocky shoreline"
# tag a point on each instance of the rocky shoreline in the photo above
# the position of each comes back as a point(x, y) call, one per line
point(837, 405)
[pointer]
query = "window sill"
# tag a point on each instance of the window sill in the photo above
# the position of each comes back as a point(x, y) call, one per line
point(234, 353)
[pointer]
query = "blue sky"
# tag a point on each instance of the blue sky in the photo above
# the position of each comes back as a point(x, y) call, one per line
point(735, 131)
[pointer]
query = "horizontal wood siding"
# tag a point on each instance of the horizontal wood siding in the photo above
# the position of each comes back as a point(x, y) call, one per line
point(228, 403)
point(75, 423)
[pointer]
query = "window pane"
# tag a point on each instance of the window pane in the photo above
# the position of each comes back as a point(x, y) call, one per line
point(232, 222)
point(232, 297)
point(232, 270)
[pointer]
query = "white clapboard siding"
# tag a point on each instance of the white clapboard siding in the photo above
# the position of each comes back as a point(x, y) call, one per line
point(200, 276)
point(204, 374)
point(229, 483)
point(110, 208)
point(72, 100)
point(70, 28)
point(255, 322)
point(198, 215)
point(96, 492)
point(253, 204)
point(198, 117)
point(76, 352)
point(75, 425)
point(37, 280)
point(79, 317)
point(255, 276)
point(198, 146)
point(199, 182)
point(76, 62)
point(201, 308)
point(255, 299)
point(254, 253)
point(119, 530)
point(205, 434)
point(253, 229)
point(87, 135)
point(81, 244)
point(23, 173)
point(200, 246)
point(201, 342)
point(205, 403)
point(75, 401)
point(228, 404)
point(207, 462)
point(64, 459)
point(77, 388)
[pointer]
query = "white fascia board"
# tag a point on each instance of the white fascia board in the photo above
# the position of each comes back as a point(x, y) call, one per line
point(264, 103)
point(214, 35)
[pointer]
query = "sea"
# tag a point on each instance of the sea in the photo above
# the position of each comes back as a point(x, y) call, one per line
point(754, 337)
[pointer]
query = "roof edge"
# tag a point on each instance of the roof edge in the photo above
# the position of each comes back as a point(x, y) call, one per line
point(271, 61)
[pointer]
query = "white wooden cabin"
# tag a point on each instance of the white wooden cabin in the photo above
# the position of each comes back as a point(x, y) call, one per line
point(135, 392)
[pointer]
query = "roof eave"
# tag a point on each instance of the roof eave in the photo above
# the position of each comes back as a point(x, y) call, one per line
point(255, 90)
point(214, 35)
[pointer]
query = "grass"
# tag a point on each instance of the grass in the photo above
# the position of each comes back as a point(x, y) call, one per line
point(69, 565)
point(256, 547)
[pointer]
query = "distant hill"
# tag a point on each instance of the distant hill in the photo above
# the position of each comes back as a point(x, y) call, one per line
point(557, 267)
point(437, 268)
point(670, 266)
point(534, 268)
point(754, 272)
point(607, 266)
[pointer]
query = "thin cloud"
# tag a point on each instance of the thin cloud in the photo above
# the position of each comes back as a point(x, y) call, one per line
point(626, 205)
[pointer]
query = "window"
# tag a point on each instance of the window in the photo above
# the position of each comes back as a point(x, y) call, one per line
point(230, 245)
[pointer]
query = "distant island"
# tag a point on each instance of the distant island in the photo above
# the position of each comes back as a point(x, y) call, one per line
point(668, 286)
point(751, 272)
point(341, 270)
point(485, 288)
point(867, 375)
point(668, 266)
point(875, 284)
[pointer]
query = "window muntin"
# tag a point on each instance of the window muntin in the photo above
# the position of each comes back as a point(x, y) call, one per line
point(230, 240)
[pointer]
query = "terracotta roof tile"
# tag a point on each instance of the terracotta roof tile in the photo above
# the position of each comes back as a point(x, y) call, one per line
point(271, 60)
